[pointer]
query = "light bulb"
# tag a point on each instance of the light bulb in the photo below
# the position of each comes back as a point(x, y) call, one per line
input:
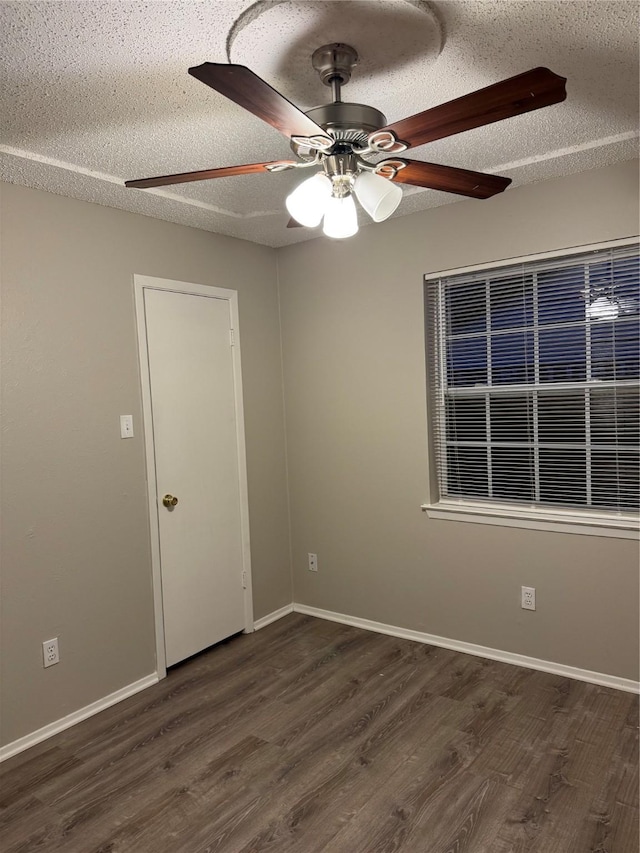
point(379, 196)
point(340, 218)
point(308, 201)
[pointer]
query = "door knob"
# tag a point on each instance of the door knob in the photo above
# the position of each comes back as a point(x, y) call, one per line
point(169, 501)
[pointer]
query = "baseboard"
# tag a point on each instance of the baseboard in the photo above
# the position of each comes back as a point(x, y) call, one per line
point(60, 725)
point(614, 681)
point(600, 678)
point(272, 617)
point(76, 717)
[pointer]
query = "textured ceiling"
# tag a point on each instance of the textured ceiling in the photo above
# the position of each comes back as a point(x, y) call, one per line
point(95, 93)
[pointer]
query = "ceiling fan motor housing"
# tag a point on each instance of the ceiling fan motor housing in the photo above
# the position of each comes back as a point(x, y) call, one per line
point(346, 123)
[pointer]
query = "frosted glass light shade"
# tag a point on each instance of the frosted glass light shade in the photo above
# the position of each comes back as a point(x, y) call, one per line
point(340, 218)
point(379, 196)
point(308, 201)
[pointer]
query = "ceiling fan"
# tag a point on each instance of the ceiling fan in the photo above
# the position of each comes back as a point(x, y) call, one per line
point(347, 140)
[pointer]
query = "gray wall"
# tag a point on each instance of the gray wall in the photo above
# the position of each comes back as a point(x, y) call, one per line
point(76, 558)
point(353, 343)
point(75, 540)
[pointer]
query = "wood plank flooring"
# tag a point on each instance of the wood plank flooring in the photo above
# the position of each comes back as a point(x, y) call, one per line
point(310, 736)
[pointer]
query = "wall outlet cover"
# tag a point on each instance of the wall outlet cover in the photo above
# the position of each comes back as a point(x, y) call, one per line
point(528, 598)
point(50, 652)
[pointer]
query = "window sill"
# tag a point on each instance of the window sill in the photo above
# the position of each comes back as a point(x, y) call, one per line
point(558, 521)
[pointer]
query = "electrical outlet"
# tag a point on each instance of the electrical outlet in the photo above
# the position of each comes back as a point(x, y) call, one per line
point(50, 652)
point(528, 601)
point(313, 562)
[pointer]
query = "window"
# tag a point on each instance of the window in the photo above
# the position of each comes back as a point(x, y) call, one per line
point(534, 380)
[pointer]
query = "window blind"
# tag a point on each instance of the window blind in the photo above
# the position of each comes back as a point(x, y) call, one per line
point(534, 375)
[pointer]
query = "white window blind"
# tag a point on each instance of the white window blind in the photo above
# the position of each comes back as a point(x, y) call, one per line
point(534, 375)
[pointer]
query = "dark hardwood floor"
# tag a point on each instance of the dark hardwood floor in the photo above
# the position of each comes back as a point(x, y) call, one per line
point(310, 736)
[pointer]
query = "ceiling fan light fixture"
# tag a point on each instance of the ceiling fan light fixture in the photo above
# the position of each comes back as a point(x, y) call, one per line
point(308, 201)
point(377, 195)
point(340, 218)
point(603, 308)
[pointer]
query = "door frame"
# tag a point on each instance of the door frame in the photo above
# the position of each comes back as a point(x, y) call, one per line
point(142, 283)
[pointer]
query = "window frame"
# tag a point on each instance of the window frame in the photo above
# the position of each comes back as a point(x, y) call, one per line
point(616, 524)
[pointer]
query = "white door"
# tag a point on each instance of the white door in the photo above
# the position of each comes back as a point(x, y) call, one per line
point(196, 455)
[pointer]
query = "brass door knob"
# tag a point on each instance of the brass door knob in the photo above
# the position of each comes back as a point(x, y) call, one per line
point(169, 501)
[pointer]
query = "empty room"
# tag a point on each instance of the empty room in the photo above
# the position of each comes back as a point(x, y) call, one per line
point(320, 426)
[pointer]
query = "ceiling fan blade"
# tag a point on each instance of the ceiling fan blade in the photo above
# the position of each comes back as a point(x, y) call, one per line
point(241, 85)
point(293, 223)
point(532, 90)
point(207, 174)
point(450, 179)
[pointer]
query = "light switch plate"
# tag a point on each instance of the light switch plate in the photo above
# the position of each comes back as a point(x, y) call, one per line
point(126, 426)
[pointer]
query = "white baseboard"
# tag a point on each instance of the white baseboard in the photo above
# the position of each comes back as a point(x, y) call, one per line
point(615, 681)
point(272, 617)
point(76, 717)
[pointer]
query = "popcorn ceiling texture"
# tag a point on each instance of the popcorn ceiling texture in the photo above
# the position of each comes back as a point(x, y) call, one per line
point(94, 93)
point(396, 41)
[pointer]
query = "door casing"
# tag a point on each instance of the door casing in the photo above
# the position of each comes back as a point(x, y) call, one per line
point(141, 283)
